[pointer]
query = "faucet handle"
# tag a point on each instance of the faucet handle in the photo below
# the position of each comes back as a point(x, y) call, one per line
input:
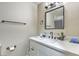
point(51, 32)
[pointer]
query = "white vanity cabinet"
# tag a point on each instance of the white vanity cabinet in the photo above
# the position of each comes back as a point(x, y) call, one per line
point(47, 47)
point(37, 49)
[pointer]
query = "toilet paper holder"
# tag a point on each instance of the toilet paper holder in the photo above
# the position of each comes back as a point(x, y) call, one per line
point(12, 48)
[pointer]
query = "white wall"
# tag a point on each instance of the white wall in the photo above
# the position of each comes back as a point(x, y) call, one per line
point(17, 34)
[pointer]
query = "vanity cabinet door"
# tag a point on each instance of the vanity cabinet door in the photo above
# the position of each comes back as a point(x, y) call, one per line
point(34, 51)
point(45, 51)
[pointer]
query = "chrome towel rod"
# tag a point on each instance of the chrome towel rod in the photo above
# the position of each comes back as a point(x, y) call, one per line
point(3, 21)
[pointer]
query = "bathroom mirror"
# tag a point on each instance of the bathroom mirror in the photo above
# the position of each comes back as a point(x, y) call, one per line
point(54, 19)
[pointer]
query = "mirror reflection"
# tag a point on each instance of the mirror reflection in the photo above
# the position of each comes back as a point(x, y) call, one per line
point(54, 19)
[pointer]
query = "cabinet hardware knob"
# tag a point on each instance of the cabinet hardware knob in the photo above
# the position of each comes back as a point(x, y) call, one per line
point(32, 49)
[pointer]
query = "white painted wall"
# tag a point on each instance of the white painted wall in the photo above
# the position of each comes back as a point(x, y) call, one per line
point(17, 34)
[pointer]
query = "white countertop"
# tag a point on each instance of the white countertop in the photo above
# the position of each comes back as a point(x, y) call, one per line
point(61, 45)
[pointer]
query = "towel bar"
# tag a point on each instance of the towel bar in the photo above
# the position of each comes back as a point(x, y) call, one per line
point(3, 21)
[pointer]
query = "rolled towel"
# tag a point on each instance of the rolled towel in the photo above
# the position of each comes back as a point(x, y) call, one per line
point(74, 40)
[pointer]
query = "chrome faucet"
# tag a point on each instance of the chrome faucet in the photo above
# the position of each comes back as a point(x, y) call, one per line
point(51, 35)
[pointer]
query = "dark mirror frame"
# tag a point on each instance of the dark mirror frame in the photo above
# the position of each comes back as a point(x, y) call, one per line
point(53, 10)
